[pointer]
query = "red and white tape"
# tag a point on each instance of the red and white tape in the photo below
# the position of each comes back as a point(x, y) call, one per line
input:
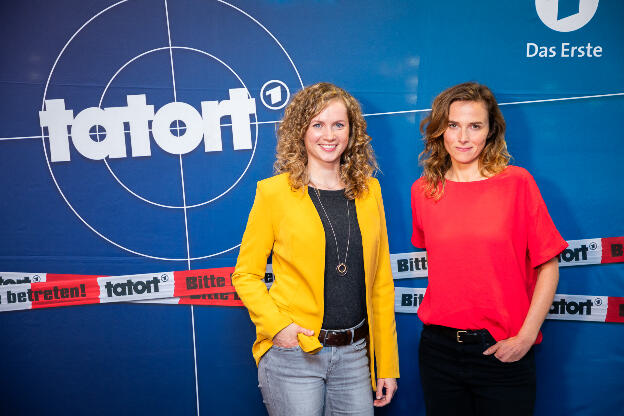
point(579, 252)
point(564, 307)
point(19, 291)
point(218, 299)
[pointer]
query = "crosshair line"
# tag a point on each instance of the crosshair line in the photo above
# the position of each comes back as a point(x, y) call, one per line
point(188, 249)
point(388, 113)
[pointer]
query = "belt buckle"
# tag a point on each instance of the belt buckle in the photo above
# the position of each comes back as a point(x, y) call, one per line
point(458, 335)
point(325, 333)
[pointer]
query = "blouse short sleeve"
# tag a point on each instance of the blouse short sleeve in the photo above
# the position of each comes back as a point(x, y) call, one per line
point(543, 240)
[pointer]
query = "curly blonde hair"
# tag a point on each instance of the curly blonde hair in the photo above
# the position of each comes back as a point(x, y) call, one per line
point(435, 159)
point(357, 162)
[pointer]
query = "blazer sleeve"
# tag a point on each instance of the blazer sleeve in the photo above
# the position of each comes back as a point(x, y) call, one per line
point(251, 266)
point(384, 325)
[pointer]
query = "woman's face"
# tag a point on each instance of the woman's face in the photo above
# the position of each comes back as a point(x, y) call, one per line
point(327, 135)
point(466, 132)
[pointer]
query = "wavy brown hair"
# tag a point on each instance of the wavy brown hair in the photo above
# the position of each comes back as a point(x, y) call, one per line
point(357, 162)
point(435, 159)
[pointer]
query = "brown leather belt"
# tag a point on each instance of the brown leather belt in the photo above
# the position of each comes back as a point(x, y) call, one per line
point(338, 337)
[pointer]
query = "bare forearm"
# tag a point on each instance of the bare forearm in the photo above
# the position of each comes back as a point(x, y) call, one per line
point(547, 280)
point(514, 348)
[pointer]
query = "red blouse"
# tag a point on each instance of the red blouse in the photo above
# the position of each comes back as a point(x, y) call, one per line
point(484, 240)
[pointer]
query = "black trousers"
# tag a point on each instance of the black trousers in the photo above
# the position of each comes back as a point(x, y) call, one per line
point(458, 379)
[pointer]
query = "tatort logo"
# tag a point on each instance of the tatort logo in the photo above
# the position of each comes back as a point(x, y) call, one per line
point(174, 130)
point(17, 281)
point(133, 287)
point(588, 251)
point(573, 254)
point(112, 144)
point(562, 307)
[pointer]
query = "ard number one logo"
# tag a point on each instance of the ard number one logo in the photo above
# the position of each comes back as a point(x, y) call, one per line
point(566, 15)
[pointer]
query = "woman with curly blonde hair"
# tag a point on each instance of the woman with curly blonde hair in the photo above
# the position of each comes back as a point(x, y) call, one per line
point(357, 162)
point(492, 261)
point(331, 305)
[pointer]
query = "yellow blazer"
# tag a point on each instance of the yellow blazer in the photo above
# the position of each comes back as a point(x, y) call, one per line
point(286, 222)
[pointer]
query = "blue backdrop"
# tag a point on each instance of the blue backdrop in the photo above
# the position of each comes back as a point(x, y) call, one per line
point(162, 211)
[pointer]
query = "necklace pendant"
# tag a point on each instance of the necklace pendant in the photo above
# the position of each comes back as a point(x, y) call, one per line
point(341, 269)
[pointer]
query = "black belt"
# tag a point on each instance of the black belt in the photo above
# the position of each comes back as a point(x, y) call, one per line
point(338, 337)
point(461, 336)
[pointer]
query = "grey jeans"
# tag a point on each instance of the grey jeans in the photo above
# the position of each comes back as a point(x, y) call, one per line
point(334, 381)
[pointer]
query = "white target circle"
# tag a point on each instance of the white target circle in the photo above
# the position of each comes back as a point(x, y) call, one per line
point(253, 152)
point(56, 182)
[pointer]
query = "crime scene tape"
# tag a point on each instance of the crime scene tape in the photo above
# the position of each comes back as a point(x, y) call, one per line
point(578, 253)
point(20, 291)
point(564, 307)
point(213, 287)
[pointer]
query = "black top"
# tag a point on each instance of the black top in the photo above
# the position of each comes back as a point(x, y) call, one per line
point(345, 296)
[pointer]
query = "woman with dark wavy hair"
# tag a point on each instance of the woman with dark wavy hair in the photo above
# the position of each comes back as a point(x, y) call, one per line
point(331, 305)
point(492, 261)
